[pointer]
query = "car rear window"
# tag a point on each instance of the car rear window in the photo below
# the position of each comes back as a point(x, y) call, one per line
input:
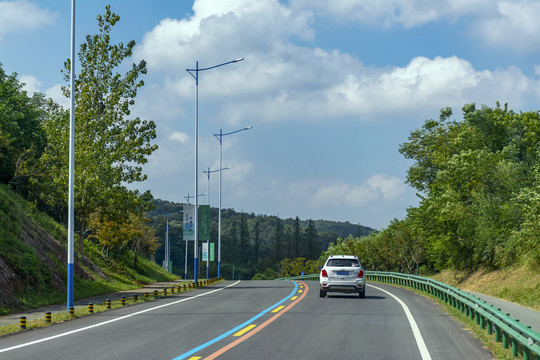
point(343, 262)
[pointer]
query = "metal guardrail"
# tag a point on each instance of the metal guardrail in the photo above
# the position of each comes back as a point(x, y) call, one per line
point(508, 331)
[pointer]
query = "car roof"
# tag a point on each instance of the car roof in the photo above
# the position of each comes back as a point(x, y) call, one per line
point(343, 257)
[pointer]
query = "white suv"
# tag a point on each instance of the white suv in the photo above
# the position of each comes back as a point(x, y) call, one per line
point(342, 273)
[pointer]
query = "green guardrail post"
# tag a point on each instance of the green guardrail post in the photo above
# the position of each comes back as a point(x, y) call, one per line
point(514, 347)
point(526, 353)
point(505, 339)
point(489, 327)
point(498, 335)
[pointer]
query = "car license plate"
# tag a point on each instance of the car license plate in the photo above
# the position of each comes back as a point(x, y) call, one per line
point(343, 273)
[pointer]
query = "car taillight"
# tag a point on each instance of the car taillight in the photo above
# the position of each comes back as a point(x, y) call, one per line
point(361, 274)
point(324, 273)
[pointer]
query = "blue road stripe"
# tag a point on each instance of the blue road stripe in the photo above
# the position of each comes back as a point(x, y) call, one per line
point(232, 331)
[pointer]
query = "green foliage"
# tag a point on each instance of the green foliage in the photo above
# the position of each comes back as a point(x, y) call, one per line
point(20, 242)
point(109, 148)
point(477, 182)
point(14, 251)
point(268, 274)
point(22, 139)
point(249, 240)
point(295, 267)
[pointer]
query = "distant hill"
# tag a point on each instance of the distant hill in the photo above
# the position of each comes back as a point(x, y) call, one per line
point(259, 249)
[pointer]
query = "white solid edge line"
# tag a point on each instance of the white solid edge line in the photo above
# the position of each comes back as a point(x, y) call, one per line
point(111, 321)
point(416, 331)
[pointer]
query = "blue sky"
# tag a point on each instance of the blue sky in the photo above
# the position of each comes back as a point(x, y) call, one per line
point(331, 88)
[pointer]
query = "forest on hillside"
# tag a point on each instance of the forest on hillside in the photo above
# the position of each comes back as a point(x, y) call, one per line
point(252, 243)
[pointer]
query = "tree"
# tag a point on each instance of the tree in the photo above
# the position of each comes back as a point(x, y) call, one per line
point(109, 148)
point(131, 233)
point(277, 237)
point(313, 248)
point(297, 236)
point(472, 176)
point(257, 243)
point(245, 248)
point(232, 244)
point(22, 139)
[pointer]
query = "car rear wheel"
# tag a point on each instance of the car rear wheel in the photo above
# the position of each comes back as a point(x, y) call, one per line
point(322, 293)
point(362, 293)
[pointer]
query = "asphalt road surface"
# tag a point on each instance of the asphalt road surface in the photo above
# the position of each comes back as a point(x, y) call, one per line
point(258, 320)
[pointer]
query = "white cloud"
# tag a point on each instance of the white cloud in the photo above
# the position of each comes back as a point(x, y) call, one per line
point(388, 13)
point(389, 186)
point(515, 25)
point(55, 93)
point(21, 15)
point(366, 94)
point(376, 189)
point(509, 23)
point(238, 172)
point(31, 84)
point(280, 81)
point(220, 31)
point(180, 137)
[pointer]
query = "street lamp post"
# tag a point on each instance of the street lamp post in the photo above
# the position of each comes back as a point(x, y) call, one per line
point(208, 172)
point(167, 255)
point(188, 197)
point(220, 139)
point(71, 194)
point(195, 74)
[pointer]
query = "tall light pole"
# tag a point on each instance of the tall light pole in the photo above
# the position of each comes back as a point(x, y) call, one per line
point(188, 197)
point(208, 172)
point(195, 217)
point(167, 256)
point(220, 139)
point(71, 205)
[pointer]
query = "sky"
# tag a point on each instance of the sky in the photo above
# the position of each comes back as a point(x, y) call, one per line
point(330, 88)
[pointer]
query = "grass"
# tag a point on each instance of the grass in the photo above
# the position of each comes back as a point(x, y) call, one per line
point(518, 284)
point(115, 274)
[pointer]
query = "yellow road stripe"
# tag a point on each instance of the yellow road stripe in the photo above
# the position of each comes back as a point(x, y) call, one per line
point(195, 358)
point(300, 291)
point(294, 298)
point(244, 330)
point(277, 309)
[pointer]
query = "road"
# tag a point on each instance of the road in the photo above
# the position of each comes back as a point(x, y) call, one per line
point(258, 320)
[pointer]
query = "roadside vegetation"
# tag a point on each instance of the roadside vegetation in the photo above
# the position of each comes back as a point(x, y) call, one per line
point(478, 222)
point(114, 243)
point(33, 262)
